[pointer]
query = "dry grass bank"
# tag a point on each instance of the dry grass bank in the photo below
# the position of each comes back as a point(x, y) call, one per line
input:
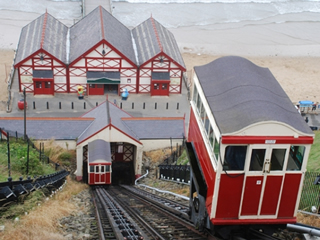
point(41, 223)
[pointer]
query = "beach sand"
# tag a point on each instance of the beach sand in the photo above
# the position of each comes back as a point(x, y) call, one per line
point(292, 54)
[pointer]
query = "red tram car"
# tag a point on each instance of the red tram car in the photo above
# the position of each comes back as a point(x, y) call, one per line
point(99, 162)
point(248, 147)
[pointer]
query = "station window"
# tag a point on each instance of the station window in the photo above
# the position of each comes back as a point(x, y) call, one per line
point(295, 158)
point(234, 158)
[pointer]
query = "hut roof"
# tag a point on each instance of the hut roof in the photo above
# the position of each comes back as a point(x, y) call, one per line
point(97, 26)
point(151, 38)
point(45, 33)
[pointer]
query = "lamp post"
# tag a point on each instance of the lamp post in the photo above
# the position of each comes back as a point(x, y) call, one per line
point(25, 114)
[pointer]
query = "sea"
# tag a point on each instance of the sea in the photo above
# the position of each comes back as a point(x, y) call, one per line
point(292, 22)
point(184, 13)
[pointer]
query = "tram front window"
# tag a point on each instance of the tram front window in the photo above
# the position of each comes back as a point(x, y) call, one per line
point(277, 159)
point(235, 157)
point(257, 159)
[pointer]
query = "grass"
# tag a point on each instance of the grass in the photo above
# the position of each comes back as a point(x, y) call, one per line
point(18, 161)
point(314, 156)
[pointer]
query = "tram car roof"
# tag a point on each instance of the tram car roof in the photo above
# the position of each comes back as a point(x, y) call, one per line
point(240, 93)
point(99, 150)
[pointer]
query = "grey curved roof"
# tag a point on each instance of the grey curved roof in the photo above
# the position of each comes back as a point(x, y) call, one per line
point(241, 93)
point(99, 150)
point(151, 38)
point(100, 25)
point(53, 40)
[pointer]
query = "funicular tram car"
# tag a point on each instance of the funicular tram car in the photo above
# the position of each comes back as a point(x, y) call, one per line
point(99, 162)
point(248, 147)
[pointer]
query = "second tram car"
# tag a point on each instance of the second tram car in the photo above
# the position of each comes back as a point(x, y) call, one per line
point(248, 147)
point(99, 162)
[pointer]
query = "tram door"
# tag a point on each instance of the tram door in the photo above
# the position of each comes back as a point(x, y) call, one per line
point(99, 176)
point(264, 177)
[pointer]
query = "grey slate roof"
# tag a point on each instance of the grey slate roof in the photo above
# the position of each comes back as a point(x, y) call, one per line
point(42, 73)
point(54, 41)
point(100, 114)
point(65, 129)
point(156, 128)
point(145, 37)
point(90, 30)
point(92, 75)
point(99, 150)
point(241, 93)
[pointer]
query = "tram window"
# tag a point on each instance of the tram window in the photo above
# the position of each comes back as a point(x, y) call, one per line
point(102, 169)
point(257, 159)
point(195, 94)
point(199, 103)
point(211, 137)
point(234, 158)
point(295, 158)
point(216, 149)
point(207, 125)
point(277, 159)
point(97, 169)
point(107, 168)
point(91, 168)
point(202, 114)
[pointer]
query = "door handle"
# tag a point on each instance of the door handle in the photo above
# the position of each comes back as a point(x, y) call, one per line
point(267, 165)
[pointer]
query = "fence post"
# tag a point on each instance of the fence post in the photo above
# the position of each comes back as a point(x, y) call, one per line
point(155, 105)
point(133, 105)
point(96, 104)
point(84, 105)
point(71, 105)
point(34, 105)
point(177, 106)
point(8, 147)
point(47, 105)
point(28, 156)
point(167, 105)
point(144, 105)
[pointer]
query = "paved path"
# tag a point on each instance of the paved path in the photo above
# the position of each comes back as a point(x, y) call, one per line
point(90, 5)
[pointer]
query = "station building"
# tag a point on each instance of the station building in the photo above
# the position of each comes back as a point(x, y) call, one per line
point(100, 54)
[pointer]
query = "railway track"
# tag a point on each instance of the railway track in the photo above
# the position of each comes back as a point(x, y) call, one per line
point(129, 216)
point(129, 213)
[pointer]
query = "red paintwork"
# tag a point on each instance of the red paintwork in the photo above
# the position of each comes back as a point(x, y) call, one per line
point(229, 201)
point(96, 89)
point(43, 89)
point(262, 139)
point(208, 171)
point(289, 195)
point(271, 195)
point(98, 178)
point(160, 91)
point(252, 194)
point(253, 221)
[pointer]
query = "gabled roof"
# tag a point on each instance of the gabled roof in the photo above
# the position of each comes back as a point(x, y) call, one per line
point(151, 39)
point(157, 127)
point(98, 26)
point(103, 118)
point(241, 93)
point(45, 33)
point(47, 128)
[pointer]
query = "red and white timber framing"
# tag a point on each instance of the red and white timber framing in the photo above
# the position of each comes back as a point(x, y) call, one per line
point(42, 60)
point(103, 58)
point(160, 63)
